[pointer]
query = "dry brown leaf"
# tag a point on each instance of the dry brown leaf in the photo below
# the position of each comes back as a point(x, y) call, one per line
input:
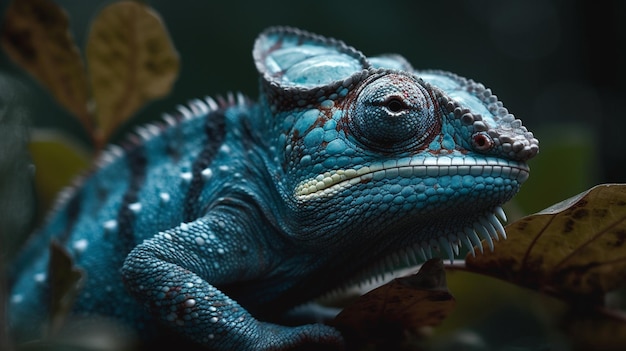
point(65, 282)
point(131, 60)
point(574, 248)
point(35, 34)
point(404, 304)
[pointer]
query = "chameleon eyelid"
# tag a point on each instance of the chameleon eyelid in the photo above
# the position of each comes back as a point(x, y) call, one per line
point(395, 105)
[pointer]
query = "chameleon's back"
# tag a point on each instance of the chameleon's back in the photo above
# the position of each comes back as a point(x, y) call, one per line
point(159, 178)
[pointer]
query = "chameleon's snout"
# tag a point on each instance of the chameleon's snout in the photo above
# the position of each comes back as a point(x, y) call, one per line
point(517, 144)
point(495, 131)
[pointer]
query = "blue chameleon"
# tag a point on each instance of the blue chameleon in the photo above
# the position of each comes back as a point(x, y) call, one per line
point(210, 225)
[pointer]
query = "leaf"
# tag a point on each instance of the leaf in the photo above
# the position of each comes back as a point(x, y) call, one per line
point(404, 304)
point(131, 60)
point(595, 330)
point(58, 159)
point(65, 283)
point(35, 34)
point(576, 248)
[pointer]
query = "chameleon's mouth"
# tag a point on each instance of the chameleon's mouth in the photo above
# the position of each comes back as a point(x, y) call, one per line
point(331, 182)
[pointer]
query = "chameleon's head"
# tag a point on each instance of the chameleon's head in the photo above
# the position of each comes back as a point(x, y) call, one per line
point(372, 147)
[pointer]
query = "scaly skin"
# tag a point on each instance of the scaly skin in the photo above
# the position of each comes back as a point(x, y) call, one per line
point(214, 223)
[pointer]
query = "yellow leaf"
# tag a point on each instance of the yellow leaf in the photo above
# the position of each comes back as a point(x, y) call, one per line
point(57, 159)
point(574, 248)
point(35, 34)
point(404, 304)
point(131, 60)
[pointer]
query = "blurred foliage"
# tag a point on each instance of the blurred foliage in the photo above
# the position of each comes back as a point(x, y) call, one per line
point(530, 307)
point(58, 159)
point(130, 61)
point(16, 194)
point(35, 34)
point(66, 281)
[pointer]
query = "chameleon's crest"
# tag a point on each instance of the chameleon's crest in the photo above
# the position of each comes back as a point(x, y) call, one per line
point(300, 68)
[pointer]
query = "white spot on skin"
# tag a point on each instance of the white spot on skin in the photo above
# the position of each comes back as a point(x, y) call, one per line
point(184, 227)
point(200, 241)
point(225, 149)
point(110, 225)
point(207, 173)
point(224, 168)
point(165, 197)
point(40, 277)
point(80, 245)
point(186, 176)
point(167, 236)
point(17, 298)
point(135, 207)
point(190, 303)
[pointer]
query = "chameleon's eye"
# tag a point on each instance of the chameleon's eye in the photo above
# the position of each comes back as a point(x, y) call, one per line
point(395, 105)
point(393, 113)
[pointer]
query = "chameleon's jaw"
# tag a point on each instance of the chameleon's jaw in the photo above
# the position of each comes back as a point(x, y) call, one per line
point(488, 227)
point(478, 217)
point(330, 183)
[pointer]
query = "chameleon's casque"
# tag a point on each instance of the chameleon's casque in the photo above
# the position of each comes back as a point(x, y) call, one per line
point(214, 222)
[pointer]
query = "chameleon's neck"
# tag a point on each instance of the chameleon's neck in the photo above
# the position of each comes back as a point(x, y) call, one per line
point(247, 230)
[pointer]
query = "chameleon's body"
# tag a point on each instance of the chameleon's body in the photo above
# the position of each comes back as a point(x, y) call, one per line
point(231, 212)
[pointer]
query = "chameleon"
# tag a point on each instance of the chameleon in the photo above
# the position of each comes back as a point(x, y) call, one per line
point(211, 224)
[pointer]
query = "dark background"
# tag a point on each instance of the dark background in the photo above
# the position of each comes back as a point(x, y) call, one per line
point(556, 64)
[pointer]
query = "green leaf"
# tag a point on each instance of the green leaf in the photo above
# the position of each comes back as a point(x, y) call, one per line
point(405, 304)
point(35, 34)
point(574, 249)
point(58, 159)
point(131, 60)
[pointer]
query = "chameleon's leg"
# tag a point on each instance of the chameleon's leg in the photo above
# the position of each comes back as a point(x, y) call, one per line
point(170, 274)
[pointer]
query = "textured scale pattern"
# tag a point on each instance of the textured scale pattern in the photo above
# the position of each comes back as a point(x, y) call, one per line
point(213, 223)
